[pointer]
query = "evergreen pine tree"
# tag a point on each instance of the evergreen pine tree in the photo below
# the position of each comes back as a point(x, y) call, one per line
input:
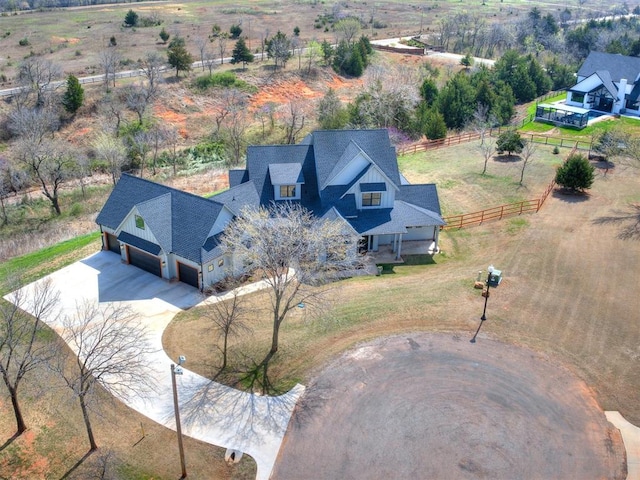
point(74, 95)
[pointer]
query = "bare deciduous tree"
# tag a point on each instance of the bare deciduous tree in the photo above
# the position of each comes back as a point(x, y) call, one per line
point(235, 134)
point(228, 102)
point(347, 29)
point(37, 74)
point(222, 40)
point(158, 135)
point(20, 351)
point(109, 347)
point(139, 146)
point(152, 67)
point(228, 316)
point(527, 153)
point(209, 61)
point(111, 109)
point(201, 45)
point(33, 124)
point(50, 164)
point(171, 140)
point(487, 149)
point(138, 99)
point(294, 122)
point(112, 151)
point(296, 252)
point(109, 60)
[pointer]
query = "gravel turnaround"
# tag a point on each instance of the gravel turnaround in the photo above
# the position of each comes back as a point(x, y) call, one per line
point(435, 406)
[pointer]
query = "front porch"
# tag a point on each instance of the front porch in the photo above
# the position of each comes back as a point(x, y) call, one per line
point(386, 253)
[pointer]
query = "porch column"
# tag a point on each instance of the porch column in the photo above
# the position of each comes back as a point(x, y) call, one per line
point(399, 246)
point(436, 236)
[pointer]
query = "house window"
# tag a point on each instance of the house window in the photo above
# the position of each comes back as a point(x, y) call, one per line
point(139, 222)
point(287, 191)
point(221, 262)
point(577, 97)
point(210, 268)
point(371, 199)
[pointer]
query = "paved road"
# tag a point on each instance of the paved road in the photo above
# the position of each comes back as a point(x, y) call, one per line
point(435, 406)
point(210, 412)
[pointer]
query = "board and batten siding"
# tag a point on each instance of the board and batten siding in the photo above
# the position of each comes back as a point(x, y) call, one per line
point(388, 197)
point(349, 172)
point(129, 226)
point(217, 272)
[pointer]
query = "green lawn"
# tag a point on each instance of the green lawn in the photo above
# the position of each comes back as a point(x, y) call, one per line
point(36, 265)
point(462, 188)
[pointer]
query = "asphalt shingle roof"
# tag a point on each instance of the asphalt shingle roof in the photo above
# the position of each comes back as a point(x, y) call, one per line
point(140, 243)
point(424, 195)
point(330, 145)
point(175, 218)
point(373, 187)
point(260, 157)
point(236, 198)
point(286, 173)
point(618, 66)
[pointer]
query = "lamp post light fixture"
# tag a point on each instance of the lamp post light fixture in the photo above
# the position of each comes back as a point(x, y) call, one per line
point(494, 277)
point(177, 370)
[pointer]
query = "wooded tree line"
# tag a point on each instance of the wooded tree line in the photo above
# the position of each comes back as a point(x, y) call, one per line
point(422, 105)
point(565, 33)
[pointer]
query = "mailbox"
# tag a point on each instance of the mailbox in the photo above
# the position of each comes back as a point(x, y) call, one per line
point(494, 278)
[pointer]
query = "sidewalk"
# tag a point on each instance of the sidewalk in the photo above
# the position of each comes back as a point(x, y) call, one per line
point(631, 438)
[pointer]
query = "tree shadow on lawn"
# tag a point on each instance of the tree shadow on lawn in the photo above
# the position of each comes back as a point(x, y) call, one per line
point(570, 196)
point(507, 158)
point(630, 218)
point(9, 441)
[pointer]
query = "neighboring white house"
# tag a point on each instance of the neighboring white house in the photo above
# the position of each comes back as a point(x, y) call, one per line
point(345, 175)
point(607, 82)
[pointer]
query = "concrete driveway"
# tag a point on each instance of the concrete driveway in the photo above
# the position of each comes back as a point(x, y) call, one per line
point(210, 412)
point(435, 406)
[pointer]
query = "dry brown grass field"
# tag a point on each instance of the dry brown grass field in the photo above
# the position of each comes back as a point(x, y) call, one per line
point(569, 289)
point(75, 36)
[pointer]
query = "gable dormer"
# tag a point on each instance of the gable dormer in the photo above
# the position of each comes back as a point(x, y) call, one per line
point(287, 180)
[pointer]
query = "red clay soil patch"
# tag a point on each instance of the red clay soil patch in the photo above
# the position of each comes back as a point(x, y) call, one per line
point(282, 92)
point(178, 120)
point(78, 136)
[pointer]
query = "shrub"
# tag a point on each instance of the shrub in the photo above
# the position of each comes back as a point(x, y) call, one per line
point(509, 141)
point(556, 150)
point(235, 31)
point(112, 41)
point(222, 80)
point(576, 173)
point(23, 42)
point(131, 19)
point(76, 210)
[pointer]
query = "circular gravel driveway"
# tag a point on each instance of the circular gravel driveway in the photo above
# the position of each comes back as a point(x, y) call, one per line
point(435, 406)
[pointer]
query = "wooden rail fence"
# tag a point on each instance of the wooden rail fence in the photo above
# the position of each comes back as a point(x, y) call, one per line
point(497, 213)
point(494, 132)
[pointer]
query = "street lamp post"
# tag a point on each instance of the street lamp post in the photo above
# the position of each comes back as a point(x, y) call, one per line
point(486, 294)
point(177, 370)
point(494, 277)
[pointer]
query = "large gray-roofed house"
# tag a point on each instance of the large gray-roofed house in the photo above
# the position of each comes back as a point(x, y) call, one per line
point(607, 82)
point(348, 174)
